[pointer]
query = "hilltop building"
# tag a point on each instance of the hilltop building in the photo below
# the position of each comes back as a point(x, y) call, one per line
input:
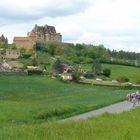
point(3, 40)
point(39, 34)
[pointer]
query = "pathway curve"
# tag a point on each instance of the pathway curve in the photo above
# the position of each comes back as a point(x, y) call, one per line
point(115, 108)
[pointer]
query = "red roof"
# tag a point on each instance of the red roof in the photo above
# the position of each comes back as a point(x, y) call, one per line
point(21, 39)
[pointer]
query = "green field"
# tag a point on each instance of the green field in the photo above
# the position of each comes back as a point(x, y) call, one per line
point(118, 70)
point(34, 99)
point(124, 126)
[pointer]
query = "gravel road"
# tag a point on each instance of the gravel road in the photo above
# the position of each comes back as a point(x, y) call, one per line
point(115, 108)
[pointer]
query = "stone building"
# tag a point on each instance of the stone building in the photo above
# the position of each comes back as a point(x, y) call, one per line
point(39, 34)
point(12, 53)
point(3, 40)
point(9, 53)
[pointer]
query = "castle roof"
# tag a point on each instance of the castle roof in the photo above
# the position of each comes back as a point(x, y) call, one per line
point(21, 39)
point(38, 28)
point(44, 29)
point(50, 29)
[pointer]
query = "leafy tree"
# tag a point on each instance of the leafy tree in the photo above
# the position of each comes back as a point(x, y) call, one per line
point(51, 47)
point(58, 66)
point(34, 62)
point(106, 72)
point(96, 66)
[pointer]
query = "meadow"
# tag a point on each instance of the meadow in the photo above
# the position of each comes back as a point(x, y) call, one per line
point(124, 126)
point(118, 70)
point(37, 99)
point(29, 97)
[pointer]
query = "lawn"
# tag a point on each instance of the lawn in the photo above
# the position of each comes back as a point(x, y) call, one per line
point(37, 99)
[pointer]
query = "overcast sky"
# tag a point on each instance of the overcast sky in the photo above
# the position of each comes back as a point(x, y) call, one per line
point(114, 23)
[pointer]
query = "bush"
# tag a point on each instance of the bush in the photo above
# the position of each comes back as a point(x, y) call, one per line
point(106, 72)
point(35, 72)
point(76, 76)
point(26, 56)
point(89, 75)
point(122, 79)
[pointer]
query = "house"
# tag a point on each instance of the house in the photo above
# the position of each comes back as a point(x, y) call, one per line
point(66, 76)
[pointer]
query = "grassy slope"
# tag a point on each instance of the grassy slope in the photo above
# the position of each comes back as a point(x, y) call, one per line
point(124, 126)
point(25, 99)
point(119, 70)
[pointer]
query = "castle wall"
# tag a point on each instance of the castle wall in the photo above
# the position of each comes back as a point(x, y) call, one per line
point(53, 38)
point(26, 44)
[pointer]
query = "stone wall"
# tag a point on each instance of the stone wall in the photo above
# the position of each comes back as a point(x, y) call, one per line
point(26, 44)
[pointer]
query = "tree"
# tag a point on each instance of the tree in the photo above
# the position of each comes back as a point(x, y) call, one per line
point(106, 72)
point(96, 66)
point(76, 76)
point(34, 62)
point(51, 47)
point(58, 66)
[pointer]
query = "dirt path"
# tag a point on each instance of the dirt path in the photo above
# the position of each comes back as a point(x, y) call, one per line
point(115, 108)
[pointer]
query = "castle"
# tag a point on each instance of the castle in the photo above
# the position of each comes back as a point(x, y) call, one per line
point(40, 35)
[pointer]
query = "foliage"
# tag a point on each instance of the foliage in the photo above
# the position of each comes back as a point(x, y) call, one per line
point(122, 79)
point(96, 66)
point(34, 62)
point(89, 75)
point(13, 46)
point(22, 51)
point(58, 66)
point(35, 72)
point(76, 76)
point(51, 48)
point(106, 72)
point(39, 46)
